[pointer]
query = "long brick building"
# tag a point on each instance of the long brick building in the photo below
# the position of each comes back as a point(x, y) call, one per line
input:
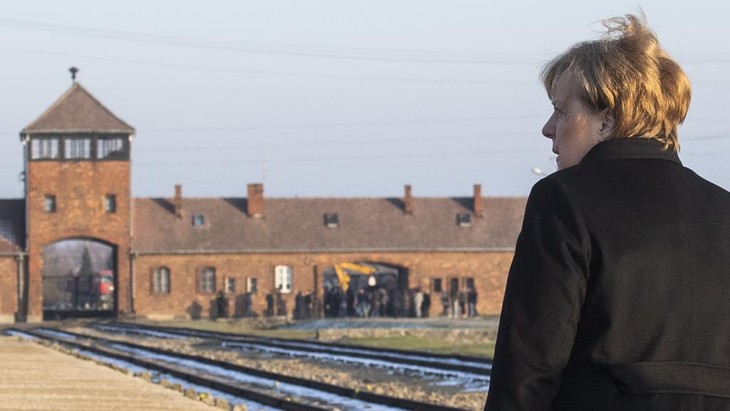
point(79, 244)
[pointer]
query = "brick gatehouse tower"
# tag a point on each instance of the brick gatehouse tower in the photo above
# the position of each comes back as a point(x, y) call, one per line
point(78, 202)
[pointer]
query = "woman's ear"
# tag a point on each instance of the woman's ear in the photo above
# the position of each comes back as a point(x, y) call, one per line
point(607, 125)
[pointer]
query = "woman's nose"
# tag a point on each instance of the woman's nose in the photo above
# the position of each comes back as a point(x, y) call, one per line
point(548, 130)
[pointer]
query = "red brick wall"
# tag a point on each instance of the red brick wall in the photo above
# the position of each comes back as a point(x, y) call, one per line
point(489, 271)
point(80, 189)
point(8, 288)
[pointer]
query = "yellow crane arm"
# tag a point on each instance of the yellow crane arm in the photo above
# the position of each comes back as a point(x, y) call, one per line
point(344, 278)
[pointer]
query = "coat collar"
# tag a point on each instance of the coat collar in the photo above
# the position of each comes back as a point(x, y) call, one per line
point(631, 148)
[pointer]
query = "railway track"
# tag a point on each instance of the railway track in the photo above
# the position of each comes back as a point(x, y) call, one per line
point(445, 366)
point(271, 390)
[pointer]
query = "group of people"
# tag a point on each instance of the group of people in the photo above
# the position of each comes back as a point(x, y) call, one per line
point(370, 301)
point(383, 302)
point(243, 305)
point(459, 303)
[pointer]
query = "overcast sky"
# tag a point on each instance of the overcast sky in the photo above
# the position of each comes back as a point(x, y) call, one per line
point(335, 98)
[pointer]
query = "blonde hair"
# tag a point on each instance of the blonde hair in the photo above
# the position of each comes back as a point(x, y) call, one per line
point(628, 73)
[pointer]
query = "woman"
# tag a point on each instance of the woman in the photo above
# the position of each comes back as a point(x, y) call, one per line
point(618, 294)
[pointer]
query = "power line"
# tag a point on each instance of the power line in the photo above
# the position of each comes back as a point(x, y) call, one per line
point(330, 143)
point(328, 125)
point(469, 153)
point(290, 50)
point(208, 68)
point(304, 50)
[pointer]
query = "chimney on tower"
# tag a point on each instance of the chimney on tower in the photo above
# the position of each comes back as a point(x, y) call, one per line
point(255, 201)
point(407, 200)
point(478, 200)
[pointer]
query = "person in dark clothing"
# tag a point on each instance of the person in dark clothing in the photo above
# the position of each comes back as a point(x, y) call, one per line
point(461, 296)
point(426, 304)
point(617, 297)
point(270, 304)
point(248, 305)
point(280, 303)
point(307, 305)
point(471, 299)
point(445, 304)
point(298, 306)
point(398, 309)
point(221, 304)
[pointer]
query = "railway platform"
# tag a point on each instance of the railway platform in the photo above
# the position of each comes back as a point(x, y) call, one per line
point(34, 377)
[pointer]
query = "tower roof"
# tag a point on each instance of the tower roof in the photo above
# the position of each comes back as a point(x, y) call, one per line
point(77, 111)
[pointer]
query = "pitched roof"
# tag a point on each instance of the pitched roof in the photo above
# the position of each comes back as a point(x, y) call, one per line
point(77, 111)
point(12, 226)
point(298, 225)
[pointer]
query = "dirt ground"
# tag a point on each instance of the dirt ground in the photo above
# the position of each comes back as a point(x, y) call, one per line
point(34, 377)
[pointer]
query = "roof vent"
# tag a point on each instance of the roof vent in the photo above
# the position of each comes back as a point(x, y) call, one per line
point(331, 220)
point(463, 219)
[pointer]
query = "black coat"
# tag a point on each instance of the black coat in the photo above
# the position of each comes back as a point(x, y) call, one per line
point(618, 297)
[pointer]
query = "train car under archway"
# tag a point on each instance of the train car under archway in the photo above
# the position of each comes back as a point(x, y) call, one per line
point(79, 280)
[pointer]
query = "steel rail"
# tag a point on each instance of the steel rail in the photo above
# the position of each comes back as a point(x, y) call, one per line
point(345, 392)
point(440, 361)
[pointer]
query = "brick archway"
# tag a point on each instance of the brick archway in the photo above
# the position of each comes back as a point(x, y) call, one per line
point(79, 279)
point(384, 294)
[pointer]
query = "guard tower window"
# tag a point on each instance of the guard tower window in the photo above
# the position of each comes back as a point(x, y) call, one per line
point(110, 148)
point(49, 203)
point(110, 203)
point(77, 148)
point(463, 219)
point(331, 220)
point(44, 148)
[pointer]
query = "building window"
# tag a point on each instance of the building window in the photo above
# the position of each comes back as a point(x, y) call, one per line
point(251, 285)
point(207, 280)
point(331, 220)
point(161, 281)
point(453, 286)
point(198, 220)
point(110, 148)
point(44, 148)
point(283, 278)
point(77, 148)
point(49, 203)
point(438, 285)
point(110, 203)
point(463, 219)
point(230, 285)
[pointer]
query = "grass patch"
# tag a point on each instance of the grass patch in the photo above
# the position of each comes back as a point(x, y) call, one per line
point(268, 327)
point(241, 326)
point(436, 346)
